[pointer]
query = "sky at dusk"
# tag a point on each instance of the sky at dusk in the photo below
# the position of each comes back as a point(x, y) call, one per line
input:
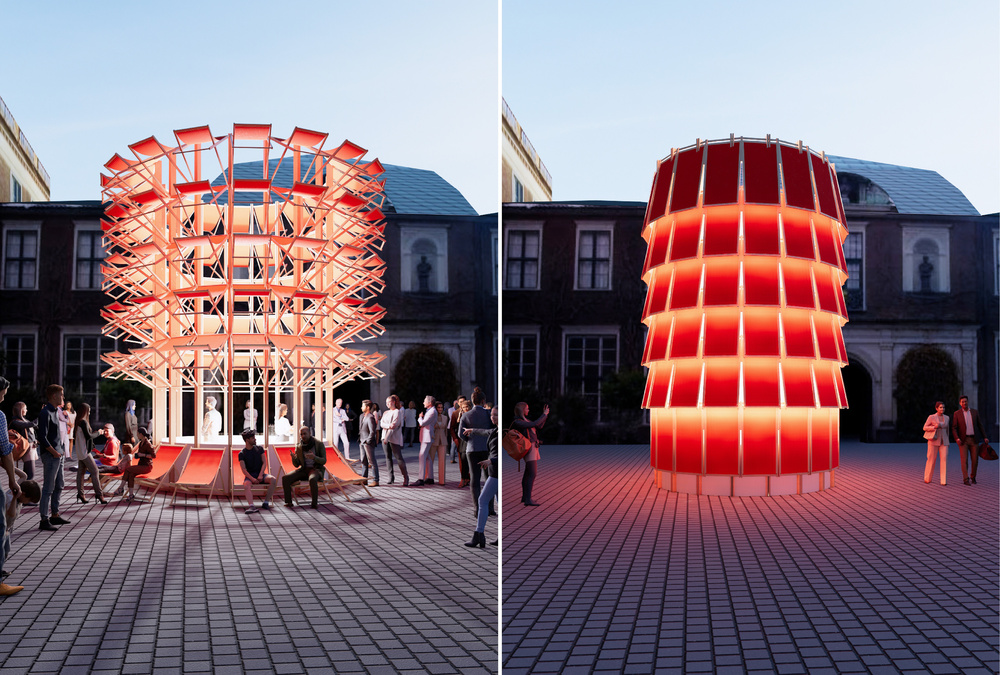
point(414, 83)
point(604, 91)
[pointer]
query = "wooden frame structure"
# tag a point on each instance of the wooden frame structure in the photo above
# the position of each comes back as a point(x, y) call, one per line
point(227, 282)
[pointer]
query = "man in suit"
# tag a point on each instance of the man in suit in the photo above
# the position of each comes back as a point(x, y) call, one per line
point(426, 422)
point(477, 449)
point(310, 456)
point(964, 424)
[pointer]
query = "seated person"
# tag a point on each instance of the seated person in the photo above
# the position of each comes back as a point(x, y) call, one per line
point(310, 456)
point(254, 470)
point(108, 460)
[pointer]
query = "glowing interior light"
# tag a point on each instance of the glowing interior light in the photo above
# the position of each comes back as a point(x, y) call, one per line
point(745, 313)
point(242, 263)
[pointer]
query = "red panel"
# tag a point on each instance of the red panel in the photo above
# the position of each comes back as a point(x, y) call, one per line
point(821, 440)
point(760, 333)
point(839, 335)
point(686, 180)
point(825, 241)
point(251, 132)
point(825, 340)
point(794, 441)
point(760, 281)
point(798, 334)
point(656, 296)
point(841, 261)
point(798, 285)
point(722, 174)
point(798, 186)
point(842, 304)
point(722, 281)
point(760, 442)
point(798, 384)
point(687, 382)
point(722, 333)
point(662, 438)
point(656, 253)
point(688, 440)
point(657, 385)
point(798, 235)
point(839, 376)
point(827, 288)
point(722, 442)
point(687, 232)
point(760, 173)
point(306, 137)
point(722, 229)
point(659, 335)
point(687, 283)
point(661, 190)
point(760, 383)
point(826, 385)
point(193, 135)
point(687, 333)
point(835, 446)
point(840, 203)
point(760, 231)
point(824, 188)
point(722, 383)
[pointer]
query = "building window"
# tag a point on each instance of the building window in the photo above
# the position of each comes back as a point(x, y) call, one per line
point(494, 257)
point(926, 267)
point(89, 256)
point(21, 259)
point(589, 359)
point(521, 368)
point(523, 251)
point(82, 366)
point(593, 258)
point(424, 260)
point(518, 190)
point(996, 263)
point(854, 254)
point(19, 351)
point(16, 192)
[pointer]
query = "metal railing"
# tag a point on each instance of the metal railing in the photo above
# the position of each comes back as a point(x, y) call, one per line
point(25, 145)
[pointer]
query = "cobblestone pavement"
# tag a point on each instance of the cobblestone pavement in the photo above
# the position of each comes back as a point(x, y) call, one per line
point(882, 574)
point(379, 585)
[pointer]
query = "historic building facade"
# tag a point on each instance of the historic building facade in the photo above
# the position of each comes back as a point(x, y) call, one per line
point(22, 176)
point(524, 176)
point(924, 272)
point(440, 290)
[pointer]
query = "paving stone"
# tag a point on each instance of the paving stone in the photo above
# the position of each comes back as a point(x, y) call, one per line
point(846, 580)
point(198, 589)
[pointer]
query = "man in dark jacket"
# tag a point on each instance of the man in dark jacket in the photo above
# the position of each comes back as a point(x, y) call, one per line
point(368, 437)
point(310, 456)
point(965, 423)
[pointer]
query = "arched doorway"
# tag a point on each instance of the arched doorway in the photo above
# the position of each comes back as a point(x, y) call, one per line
point(423, 371)
point(856, 421)
point(924, 375)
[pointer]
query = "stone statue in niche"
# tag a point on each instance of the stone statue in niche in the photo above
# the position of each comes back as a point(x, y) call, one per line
point(926, 269)
point(423, 275)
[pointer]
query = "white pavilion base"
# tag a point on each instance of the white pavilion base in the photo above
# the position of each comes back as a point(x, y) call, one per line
point(745, 486)
point(223, 442)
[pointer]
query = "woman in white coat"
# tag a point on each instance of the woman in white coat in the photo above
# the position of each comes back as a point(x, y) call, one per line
point(936, 433)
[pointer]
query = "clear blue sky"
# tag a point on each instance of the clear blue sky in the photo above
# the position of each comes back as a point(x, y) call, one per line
point(605, 90)
point(416, 83)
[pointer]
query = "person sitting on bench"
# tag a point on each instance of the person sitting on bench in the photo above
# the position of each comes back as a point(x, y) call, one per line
point(310, 456)
point(254, 471)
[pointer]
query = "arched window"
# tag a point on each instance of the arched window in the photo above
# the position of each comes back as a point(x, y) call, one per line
point(424, 263)
point(925, 260)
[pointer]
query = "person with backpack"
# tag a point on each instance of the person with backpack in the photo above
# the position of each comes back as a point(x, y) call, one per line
point(525, 426)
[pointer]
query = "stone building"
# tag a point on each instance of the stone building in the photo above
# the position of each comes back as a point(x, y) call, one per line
point(22, 176)
point(524, 176)
point(440, 290)
point(924, 272)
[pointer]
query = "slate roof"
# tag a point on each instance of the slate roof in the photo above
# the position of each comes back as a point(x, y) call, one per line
point(407, 190)
point(916, 191)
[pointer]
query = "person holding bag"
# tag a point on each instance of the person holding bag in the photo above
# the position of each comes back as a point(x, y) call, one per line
point(936, 433)
point(522, 424)
point(26, 429)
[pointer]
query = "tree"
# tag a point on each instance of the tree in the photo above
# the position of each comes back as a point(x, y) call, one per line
point(924, 375)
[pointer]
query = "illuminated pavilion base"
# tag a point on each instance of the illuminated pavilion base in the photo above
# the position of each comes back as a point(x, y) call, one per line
point(745, 486)
point(220, 441)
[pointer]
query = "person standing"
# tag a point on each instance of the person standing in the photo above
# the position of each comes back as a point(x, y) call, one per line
point(309, 456)
point(439, 446)
point(965, 423)
point(67, 421)
point(477, 449)
point(131, 424)
point(392, 438)
point(7, 460)
point(528, 428)
point(253, 463)
point(339, 431)
point(282, 427)
point(83, 452)
point(410, 422)
point(936, 433)
point(250, 417)
point(53, 453)
point(490, 489)
point(426, 422)
point(211, 425)
point(21, 425)
point(367, 437)
point(452, 441)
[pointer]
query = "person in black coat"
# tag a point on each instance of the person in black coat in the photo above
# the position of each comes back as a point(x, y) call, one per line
point(490, 488)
